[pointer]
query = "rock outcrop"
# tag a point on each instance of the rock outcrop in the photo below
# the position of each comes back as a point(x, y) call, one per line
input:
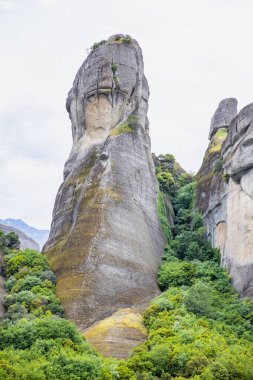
point(25, 241)
point(225, 192)
point(106, 240)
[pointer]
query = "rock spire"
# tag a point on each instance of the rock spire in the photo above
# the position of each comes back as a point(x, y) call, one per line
point(106, 241)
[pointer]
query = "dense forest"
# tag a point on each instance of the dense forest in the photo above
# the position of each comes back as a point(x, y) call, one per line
point(198, 328)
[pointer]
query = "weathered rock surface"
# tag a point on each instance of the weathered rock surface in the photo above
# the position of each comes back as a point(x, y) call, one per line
point(225, 199)
point(225, 113)
point(117, 334)
point(106, 240)
point(25, 241)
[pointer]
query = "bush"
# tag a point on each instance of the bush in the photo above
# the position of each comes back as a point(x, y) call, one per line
point(175, 274)
point(200, 300)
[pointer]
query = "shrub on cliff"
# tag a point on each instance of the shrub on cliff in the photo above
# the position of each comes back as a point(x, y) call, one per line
point(35, 342)
point(9, 241)
point(198, 328)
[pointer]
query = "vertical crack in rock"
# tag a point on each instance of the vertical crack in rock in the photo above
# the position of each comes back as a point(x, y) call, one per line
point(106, 241)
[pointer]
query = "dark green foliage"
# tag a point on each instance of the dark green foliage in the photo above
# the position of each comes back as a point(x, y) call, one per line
point(25, 332)
point(132, 121)
point(200, 299)
point(197, 221)
point(198, 327)
point(218, 166)
point(165, 179)
point(96, 45)
point(123, 39)
point(162, 215)
point(191, 245)
point(35, 342)
point(48, 275)
point(175, 273)
point(114, 67)
point(9, 241)
point(197, 342)
point(170, 175)
point(31, 284)
point(225, 177)
point(183, 204)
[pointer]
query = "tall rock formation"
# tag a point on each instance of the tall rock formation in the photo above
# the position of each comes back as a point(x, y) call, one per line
point(225, 191)
point(106, 240)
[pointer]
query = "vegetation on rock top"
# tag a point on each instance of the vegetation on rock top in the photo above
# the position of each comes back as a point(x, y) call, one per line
point(117, 39)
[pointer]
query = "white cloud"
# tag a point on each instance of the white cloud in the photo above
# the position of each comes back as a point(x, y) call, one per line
point(7, 5)
point(34, 147)
point(48, 2)
point(195, 53)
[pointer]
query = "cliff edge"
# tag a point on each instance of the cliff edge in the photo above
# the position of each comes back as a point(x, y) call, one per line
point(225, 191)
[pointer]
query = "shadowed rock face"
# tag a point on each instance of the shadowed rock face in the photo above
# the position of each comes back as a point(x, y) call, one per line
point(106, 240)
point(228, 214)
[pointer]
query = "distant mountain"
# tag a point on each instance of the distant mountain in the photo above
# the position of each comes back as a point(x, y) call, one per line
point(25, 240)
point(40, 236)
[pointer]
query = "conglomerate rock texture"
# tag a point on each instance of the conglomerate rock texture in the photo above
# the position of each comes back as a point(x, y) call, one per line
point(106, 240)
point(225, 193)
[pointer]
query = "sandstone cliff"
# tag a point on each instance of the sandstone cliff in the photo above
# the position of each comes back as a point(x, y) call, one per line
point(106, 240)
point(225, 191)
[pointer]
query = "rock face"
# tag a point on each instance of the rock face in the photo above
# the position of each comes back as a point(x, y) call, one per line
point(225, 197)
point(106, 240)
point(225, 113)
point(25, 241)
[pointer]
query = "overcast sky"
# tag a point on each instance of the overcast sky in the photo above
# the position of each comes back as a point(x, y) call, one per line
point(196, 52)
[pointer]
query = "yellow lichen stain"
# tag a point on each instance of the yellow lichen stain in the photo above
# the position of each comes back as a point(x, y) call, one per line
point(122, 128)
point(217, 141)
point(124, 329)
point(68, 255)
point(70, 286)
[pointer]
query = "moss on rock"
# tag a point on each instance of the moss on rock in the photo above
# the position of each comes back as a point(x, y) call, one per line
point(124, 326)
